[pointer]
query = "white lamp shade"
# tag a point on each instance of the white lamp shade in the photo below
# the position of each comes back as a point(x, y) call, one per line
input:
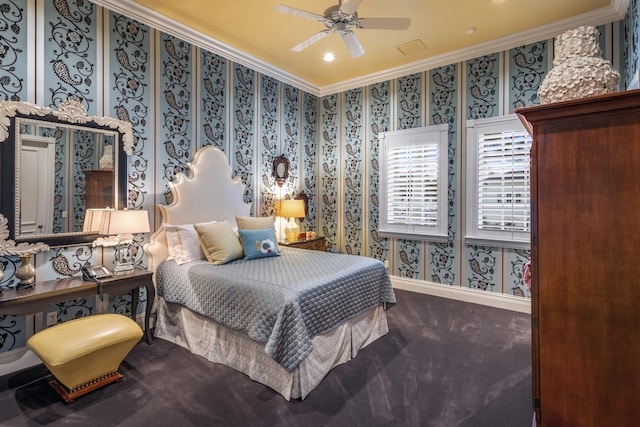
point(291, 208)
point(124, 222)
point(93, 219)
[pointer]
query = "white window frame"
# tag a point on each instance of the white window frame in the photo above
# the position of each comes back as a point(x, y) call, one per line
point(476, 234)
point(436, 137)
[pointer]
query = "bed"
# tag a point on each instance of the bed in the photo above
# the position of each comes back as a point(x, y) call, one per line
point(284, 318)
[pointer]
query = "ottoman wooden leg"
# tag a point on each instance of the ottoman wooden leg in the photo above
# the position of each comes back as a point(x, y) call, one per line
point(70, 395)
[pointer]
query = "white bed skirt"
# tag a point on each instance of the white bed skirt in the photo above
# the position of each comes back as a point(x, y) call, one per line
point(220, 344)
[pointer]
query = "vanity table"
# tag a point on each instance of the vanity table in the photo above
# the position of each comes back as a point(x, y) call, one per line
point(37, 298)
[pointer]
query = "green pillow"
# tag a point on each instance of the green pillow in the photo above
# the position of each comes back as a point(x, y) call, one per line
point(219, 242)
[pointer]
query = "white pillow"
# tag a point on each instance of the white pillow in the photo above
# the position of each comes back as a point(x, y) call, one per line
point(183, 243)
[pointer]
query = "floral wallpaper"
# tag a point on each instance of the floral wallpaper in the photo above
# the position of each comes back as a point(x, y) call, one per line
point(176, 117)
point(212, 103)
point(13, 44)
point(290, 139)
point(130, 100)
point(328, 174)
point(444, 109)
point(528, 65)
point(269, 137)
point(409, 259)
point(309, 159)
point(483, 89)
point(242, 159)
point(379, 100)
point(352, 177)
point(70, 53)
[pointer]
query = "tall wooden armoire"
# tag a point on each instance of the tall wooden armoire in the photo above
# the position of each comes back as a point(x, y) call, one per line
point(98, 189)
point(585, 249)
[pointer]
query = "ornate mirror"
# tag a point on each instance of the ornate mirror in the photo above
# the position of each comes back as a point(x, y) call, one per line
point(281, 169)
point(57, 164)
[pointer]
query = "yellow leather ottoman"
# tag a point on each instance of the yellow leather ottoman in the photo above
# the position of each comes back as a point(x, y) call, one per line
point(84, 354)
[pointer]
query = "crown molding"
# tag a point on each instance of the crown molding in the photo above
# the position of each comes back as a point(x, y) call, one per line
point(614, 12)
point(600, 16)
point(160, 22)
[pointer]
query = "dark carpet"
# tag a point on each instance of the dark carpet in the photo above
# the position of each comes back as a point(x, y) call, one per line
point(443, 363)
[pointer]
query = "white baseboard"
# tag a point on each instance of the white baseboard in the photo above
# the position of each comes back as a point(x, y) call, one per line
point(491, 299)
point(16, 360)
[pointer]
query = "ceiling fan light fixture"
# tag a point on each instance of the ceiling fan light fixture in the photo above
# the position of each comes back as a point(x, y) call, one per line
point(341, 19)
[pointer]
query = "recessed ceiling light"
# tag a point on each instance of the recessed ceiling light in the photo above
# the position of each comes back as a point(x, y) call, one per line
point(471, 30)
point(328, 57)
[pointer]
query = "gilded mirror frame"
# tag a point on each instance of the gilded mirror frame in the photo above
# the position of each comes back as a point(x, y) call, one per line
point(72, 115)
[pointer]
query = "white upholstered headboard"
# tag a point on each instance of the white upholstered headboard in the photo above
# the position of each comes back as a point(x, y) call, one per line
point(208, 194)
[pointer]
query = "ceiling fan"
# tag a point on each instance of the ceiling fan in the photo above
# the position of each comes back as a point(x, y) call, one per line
point(342, 19)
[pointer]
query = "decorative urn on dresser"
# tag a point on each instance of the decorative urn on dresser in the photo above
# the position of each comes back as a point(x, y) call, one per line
point(578, 68)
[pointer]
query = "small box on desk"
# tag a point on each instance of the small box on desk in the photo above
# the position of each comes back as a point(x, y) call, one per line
point(308, 235)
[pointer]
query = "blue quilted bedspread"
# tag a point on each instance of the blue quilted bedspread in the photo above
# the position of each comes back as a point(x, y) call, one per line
point(283, 301)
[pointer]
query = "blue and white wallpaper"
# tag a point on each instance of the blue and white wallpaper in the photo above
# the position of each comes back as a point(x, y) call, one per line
point(409, 256)
point(328, 194)
point(180, 97)
point(379, 108)
point(243, 136)
point(212, 102)
point(269, 138)
point(352, 165)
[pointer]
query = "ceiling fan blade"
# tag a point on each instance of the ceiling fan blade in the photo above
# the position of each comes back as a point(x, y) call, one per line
point(301, 13)
point(353, 44)
point(349, 7)
point(384, 23)
point(311, 40)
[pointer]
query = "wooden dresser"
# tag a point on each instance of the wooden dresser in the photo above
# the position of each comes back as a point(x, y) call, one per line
point(98, 188)
point(585, 241)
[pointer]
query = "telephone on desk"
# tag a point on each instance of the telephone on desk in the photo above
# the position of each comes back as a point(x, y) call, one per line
point(94, 274)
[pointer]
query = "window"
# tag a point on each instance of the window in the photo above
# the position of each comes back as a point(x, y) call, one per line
point(413, 180)
point(498, 180)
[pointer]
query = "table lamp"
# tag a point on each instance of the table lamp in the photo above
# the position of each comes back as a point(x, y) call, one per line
point(93, 220)
point(292, 209)
point(122, 224)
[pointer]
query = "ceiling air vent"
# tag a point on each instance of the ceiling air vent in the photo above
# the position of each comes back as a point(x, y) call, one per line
point(412, 47)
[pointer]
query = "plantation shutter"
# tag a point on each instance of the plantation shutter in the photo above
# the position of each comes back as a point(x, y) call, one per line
point(412, 184)
point(503, 181)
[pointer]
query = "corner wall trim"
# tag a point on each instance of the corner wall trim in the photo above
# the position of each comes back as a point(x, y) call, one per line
point(490, 299)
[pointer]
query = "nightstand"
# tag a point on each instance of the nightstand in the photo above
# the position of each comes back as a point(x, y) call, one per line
point(317, 244)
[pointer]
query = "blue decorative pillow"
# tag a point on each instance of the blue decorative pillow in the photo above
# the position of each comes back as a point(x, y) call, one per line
point(259, 243)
